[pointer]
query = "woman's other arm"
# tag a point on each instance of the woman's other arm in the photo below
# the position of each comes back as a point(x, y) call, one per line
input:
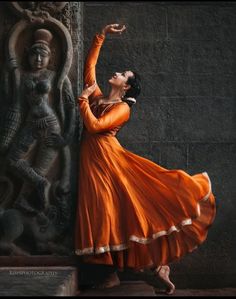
point(118, 115)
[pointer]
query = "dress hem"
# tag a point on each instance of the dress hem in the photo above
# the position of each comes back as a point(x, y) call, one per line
point(177, 228)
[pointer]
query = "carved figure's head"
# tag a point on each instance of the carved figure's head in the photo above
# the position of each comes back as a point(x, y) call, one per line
point(39, 53)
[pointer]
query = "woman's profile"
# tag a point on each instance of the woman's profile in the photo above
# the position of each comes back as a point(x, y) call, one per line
point(131, 212)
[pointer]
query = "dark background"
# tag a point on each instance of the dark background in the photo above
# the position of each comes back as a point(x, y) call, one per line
point(185, 117)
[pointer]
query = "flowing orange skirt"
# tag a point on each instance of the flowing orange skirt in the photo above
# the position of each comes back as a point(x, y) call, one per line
point(134, 213)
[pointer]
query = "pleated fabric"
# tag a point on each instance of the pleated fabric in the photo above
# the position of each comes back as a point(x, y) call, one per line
point(134, 213)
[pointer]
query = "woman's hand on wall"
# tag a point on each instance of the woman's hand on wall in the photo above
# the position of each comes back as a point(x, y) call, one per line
point(88, 90)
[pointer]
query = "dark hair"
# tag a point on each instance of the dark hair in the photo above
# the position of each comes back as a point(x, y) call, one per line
point(135, 88)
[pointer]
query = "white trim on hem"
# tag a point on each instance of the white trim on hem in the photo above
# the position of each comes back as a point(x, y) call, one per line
point(108, 248)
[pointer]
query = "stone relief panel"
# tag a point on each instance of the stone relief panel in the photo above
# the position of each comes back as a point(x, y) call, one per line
point(38, 123)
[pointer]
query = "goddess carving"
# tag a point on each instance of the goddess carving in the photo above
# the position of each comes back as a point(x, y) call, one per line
point(42, 127)
point(38, 116)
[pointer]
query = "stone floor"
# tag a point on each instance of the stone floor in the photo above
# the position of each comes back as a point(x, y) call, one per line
point(140, 288)
point(62, 281)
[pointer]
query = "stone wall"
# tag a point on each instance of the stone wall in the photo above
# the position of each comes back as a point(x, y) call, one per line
point(186, 115)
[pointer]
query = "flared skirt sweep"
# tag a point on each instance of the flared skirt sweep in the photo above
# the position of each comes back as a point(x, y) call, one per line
point(134, 213)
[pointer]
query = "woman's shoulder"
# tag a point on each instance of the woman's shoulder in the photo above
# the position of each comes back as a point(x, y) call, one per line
point(120, 107)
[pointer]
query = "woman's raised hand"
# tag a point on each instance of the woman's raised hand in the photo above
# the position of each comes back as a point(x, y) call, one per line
point(113, 28)
point(88, 90)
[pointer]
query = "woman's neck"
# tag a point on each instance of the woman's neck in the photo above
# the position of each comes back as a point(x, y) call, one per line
point(114, 96)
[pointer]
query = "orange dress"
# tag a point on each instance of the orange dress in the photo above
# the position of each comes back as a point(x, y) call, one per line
point(132, 212)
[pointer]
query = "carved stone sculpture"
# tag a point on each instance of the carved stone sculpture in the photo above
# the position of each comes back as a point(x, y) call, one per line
point(42, 123)
point(37, 130)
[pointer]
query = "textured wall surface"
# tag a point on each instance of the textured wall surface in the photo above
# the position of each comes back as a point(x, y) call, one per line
point(185, 117)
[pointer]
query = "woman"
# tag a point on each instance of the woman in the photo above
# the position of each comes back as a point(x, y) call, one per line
point(131, 212)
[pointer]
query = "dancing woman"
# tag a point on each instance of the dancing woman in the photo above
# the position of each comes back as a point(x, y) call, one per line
point(132, 213)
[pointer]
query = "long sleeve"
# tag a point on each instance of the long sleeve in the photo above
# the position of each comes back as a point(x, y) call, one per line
point(90, 64)
point(118, 115)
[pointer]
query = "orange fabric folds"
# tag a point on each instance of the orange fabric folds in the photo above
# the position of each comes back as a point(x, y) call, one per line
point(134, 213)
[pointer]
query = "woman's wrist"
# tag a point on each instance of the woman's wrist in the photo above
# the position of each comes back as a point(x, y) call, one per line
point(103, 33)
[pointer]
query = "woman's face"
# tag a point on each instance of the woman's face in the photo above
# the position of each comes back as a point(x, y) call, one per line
point(38, 60)
point(120, 79)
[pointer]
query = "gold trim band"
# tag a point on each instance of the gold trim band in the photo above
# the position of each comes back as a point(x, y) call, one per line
point(210, 190)
point(177, 228)
point(108, 248)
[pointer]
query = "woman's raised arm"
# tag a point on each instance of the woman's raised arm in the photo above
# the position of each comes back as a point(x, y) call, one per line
point(90, 65)
point(92, 57)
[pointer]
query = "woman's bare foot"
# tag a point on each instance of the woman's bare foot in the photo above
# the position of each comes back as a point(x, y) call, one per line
point(111, 281)
point(163, 273)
